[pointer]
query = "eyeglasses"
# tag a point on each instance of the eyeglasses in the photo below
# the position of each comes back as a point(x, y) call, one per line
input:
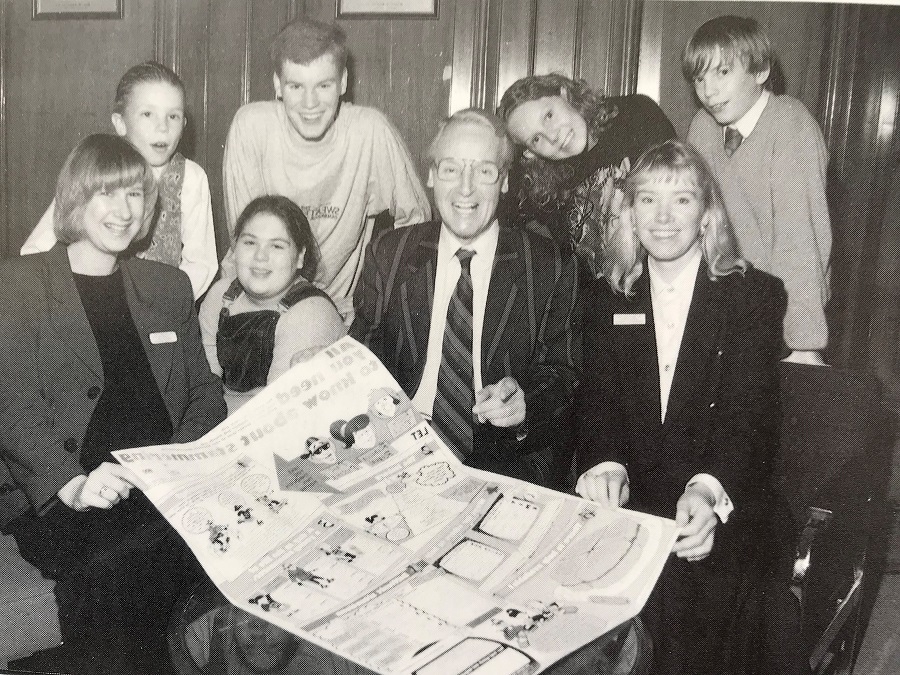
point(483, 172)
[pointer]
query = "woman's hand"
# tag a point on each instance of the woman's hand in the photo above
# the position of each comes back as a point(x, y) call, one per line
point(102, 488)
point(608, 487)
point(697, 520)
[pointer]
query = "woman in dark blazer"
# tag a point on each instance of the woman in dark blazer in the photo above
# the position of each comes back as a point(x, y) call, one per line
point(99, 351)
point(678, 410)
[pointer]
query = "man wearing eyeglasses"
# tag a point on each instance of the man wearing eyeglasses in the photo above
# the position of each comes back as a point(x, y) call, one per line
point(429, 292)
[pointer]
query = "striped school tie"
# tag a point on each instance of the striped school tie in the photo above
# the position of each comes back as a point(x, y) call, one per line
point(454, 398)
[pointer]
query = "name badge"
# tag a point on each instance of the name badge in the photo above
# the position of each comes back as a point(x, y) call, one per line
point(163, 338)
point(629, 319)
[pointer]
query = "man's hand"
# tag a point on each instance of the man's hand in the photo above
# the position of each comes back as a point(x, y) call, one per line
point(102, 488)
point(608, 487)
point(697, 520)
point(501, 404)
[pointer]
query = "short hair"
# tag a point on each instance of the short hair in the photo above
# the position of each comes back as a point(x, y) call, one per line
point(733, 37)
point(546, 182)
point(481, 118)
point(295, 223)
point(149, 71)
point(623, 255)
point(99, 162)
point(304, 40)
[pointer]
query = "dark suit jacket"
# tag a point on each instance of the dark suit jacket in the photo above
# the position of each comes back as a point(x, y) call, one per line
point(530, 332)
point(723, 413)
point(51, 375)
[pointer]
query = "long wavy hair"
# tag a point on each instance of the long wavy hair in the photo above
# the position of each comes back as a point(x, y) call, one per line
point(624, 256)
point(546, 183)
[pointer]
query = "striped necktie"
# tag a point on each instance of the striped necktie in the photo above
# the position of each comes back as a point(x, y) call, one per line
point(733, 140)
point(454, 398)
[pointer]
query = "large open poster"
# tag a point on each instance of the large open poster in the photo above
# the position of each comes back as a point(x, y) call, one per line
point(329, 507)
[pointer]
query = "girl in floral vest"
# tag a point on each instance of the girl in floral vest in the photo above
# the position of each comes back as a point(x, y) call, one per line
point(149, 112)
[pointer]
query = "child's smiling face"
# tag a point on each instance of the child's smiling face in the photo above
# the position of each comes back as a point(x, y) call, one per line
point(550, 127)
point(153, 121)
point(311, 94)
point(727, 89)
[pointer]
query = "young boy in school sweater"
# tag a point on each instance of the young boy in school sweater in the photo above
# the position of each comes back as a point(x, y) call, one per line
point(769, 157)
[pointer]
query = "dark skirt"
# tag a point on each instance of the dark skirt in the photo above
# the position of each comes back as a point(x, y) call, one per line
point(118, 574)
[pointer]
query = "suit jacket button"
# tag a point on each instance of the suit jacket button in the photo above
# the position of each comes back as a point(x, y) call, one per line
point(93, 392)
point(70, 445)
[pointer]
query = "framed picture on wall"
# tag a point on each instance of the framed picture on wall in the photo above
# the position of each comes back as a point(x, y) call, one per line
point(78, 9)
point(387, 9)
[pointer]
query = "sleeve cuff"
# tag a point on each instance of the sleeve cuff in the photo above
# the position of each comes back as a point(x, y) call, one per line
point(723, 505)
point(609, 467)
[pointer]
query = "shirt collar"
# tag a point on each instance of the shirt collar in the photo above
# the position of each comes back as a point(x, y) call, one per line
point(682, 284)
point(747, 123)
point(484, 245)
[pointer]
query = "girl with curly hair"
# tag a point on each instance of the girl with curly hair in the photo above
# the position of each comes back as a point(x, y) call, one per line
point(573, 145)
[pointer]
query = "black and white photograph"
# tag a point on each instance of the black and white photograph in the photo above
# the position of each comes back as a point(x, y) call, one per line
point(449, 337)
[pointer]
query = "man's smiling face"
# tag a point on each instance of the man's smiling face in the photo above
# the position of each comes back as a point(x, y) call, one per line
point(467, 178)
point(311, 94)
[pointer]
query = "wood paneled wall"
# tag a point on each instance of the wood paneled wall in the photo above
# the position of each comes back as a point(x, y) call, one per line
point(58, 84)
point(57, 78)
point(861, 121)
point(504, 40)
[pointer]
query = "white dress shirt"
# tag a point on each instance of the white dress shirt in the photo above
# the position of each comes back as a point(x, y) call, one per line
point(445, 278)
point(747, 123)
point(671, 302)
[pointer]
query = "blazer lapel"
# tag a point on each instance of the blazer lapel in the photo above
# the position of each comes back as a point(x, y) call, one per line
point(416, 296)
point(150, 320)
point(506, 300)
point(698, 342)
point(67, 315)
point(642, 364)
